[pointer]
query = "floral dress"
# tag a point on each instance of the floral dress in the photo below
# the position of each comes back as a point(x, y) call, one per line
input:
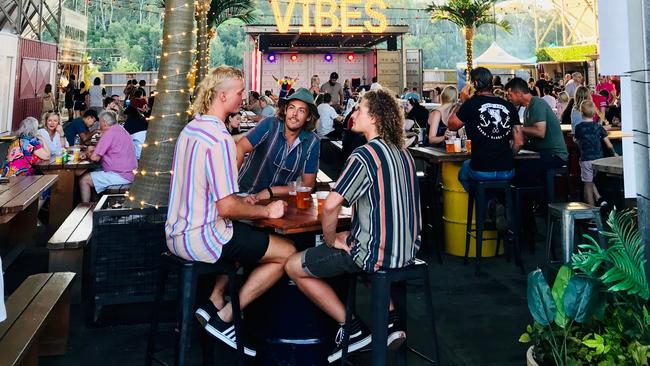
point(21, 157)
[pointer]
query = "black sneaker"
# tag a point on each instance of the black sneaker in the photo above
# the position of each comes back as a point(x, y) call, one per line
point(396, 334)
point(360, 337)
point(205, 313)
point(225, 332)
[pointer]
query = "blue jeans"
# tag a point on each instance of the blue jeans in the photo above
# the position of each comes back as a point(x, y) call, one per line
point(467, 174)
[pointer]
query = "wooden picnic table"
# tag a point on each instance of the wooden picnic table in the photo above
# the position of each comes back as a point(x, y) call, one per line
point(298, 221)
point(62, 198)
point(18, 210)
point(612, 165)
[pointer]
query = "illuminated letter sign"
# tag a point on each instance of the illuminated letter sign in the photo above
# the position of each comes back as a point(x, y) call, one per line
point(326, 9)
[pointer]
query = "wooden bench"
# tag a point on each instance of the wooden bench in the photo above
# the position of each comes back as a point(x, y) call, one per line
point(117, 189)
point(66, 246)
point(38, 319)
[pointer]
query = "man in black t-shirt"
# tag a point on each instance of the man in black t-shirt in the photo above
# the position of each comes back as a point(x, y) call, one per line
point(490, 123)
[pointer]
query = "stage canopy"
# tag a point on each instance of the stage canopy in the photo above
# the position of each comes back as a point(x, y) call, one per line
point(497, 58)
point(269, 39)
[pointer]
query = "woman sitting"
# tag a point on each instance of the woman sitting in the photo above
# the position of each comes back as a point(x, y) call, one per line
point(52, 133)
point(437, 126)
point(28, 149)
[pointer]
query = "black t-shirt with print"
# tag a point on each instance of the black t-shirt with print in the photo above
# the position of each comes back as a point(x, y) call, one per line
point(489, 121)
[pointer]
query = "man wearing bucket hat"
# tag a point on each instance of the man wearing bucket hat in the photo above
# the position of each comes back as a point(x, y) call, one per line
point(281, 149)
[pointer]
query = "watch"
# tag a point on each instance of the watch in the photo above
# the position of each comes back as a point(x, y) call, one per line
point(270, 192)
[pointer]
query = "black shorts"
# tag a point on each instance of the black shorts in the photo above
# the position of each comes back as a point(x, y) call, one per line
point(325, 262)
point(247, 245)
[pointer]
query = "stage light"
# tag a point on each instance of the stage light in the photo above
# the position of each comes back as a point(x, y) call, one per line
point(294, 58)
point(328, 57)
point(271, 57)
point(350, 57)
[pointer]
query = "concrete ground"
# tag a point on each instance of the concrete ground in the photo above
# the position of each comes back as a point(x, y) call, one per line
point(479, 319)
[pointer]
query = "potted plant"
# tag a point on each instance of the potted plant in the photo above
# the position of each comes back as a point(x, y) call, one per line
point(596, 312)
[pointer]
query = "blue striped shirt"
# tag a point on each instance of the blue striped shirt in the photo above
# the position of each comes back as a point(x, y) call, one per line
point(272, 162)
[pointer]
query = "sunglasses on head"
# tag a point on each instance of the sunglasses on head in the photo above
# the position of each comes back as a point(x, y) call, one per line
point(53, 111)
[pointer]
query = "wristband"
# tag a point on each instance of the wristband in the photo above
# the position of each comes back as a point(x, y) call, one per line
point(270, 192)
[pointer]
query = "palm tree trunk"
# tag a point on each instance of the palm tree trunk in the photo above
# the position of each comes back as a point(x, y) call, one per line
point(469, 41)
point(202, 40)
point(169, 112)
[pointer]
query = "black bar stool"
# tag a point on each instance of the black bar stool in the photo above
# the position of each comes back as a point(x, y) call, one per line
point(478, 197)
point(524, 194)
point(189, 272)
point(381, 283)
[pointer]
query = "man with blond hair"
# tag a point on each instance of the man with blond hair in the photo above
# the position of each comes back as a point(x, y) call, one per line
point(203, 205)
point(380, 184)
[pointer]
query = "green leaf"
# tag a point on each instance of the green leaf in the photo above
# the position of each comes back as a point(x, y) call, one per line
point(561, 281)
point(580, 299)
point(621, 266)
point(524, 338)
point(540, 301)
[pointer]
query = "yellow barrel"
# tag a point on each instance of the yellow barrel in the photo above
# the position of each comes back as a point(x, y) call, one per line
point(454, 215)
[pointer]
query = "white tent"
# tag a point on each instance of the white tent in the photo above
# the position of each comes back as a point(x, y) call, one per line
point(497, 58)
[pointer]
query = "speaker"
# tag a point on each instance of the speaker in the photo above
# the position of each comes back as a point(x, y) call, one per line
point(392, 43)
point(264, 43)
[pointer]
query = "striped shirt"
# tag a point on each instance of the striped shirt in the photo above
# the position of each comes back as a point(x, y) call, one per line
point(272, 162)
point(379, 182)
point(205, 171)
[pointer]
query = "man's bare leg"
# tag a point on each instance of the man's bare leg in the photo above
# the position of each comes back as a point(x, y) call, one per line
point(265, 275)
point(85, 187)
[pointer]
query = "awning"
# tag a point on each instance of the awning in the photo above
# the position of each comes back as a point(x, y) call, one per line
point(497, 58)
point(295, 41)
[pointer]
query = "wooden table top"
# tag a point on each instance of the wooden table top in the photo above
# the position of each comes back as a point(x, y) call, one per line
point(297, 221)
point(439, 155)
point(612, 165)
point(47, 165)
point(20, 192)
point(614, 133)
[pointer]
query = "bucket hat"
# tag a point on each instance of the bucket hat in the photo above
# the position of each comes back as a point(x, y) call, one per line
point(305, 96)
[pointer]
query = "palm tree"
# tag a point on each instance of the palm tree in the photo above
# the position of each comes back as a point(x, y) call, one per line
point(468, 15)
point(169, 115)
point(218, 12)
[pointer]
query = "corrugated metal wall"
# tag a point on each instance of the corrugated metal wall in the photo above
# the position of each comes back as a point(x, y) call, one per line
point(34, 69)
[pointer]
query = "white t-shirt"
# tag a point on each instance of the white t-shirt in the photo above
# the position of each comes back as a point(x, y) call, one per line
point(327, 117)
point(552, 102)
point(96, 96)
point(53, 144)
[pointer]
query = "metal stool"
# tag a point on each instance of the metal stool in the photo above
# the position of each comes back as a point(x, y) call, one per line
point(478, 198)
point(567, 213)
point(381, 283)
point(523, 194)
point(189, 272)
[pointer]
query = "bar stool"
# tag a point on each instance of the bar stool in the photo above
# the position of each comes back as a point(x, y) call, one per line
point(189, 272)
point(523, 194)
point(567, 214)
point(381, 283)
point(478, 197)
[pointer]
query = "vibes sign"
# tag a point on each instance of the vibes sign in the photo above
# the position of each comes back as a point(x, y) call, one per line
point(339, 16)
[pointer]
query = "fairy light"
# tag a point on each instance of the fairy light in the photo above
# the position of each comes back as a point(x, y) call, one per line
point(169, 50)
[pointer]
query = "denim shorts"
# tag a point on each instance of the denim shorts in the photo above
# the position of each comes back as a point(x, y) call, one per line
point(324, 262)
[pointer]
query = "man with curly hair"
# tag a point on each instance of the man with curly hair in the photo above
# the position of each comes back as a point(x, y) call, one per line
point(379, 182)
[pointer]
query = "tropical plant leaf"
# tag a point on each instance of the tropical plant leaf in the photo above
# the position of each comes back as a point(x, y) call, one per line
point(581, 298)
point(561, 281)
point(621, 267)
point(467, 13)
point(540, 301)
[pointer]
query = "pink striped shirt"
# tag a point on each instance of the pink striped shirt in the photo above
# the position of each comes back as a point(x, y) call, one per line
point(205, 171)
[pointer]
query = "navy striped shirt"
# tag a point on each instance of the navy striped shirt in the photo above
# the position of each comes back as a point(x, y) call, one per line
point(379, 182)
point(272, 162)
